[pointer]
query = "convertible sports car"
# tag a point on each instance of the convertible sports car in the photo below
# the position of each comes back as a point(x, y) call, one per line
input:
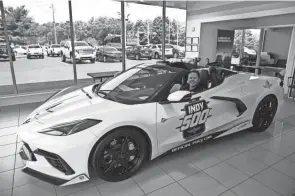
point(113, 128)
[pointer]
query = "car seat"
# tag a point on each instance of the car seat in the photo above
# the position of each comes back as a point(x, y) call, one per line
point(204, 76)
point(215, 78)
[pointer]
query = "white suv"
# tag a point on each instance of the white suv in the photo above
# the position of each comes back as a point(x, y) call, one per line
point(35, 50)
point(170, 51)
point(83, 51)
point(54, 49)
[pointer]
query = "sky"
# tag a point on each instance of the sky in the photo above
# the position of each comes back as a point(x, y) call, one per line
point(85, 9)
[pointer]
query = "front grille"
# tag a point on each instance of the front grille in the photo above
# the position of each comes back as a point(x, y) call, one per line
point(56, 161)
point(86, 51)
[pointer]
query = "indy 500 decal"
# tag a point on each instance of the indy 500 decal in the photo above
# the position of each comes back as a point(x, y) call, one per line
point(194, 122)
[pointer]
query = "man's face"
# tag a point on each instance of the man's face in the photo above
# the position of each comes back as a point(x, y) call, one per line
point(193, 80)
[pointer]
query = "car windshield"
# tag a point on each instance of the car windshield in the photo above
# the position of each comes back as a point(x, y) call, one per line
point(138, 84)
point(81, 44)
point(34, 46)
point(55, 46)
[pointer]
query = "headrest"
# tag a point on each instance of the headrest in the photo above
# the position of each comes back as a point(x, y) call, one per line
point(203, 76)
point(212, 69)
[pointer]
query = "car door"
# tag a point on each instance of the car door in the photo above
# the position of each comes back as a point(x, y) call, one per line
point(169, 50)
point(197, 119)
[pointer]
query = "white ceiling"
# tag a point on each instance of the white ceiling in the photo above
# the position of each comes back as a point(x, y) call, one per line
point(206, 12)
point(170, 4)
point(210, 11)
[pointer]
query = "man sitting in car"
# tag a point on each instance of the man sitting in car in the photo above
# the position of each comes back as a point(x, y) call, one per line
point(193, 82)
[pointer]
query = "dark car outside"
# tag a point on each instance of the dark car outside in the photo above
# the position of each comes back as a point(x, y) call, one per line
point(138, 52)
point(105, 53)
point(4, 52)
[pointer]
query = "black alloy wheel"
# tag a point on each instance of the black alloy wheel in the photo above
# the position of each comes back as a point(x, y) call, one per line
point(119, 155)
point(264, 114)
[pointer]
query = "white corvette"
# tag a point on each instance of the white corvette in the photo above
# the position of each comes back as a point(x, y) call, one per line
point(112, 128)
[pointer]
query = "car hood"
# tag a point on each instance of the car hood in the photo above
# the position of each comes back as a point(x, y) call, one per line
point(83, 48)
point(75, 105)
point(35, 49)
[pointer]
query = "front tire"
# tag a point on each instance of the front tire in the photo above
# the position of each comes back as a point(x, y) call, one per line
point(264, 114)
point(157, 56)
point(105, 59)
point(92, 61)
point(175, 55)
point(137, 57)
point(119, 155)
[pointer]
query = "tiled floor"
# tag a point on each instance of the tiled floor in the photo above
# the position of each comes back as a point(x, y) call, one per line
point(244, 164)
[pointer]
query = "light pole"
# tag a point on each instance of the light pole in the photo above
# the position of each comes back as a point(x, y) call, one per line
point(54, 29)
point(126, 22)
point(177, 32)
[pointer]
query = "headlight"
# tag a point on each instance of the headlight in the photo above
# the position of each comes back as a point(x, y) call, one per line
point(70, 128)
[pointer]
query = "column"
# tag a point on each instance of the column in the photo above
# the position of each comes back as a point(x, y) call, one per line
point(261, 41)
point(163, 29)
point(123, 35)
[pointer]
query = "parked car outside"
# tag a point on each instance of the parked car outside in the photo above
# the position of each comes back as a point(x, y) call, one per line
point(170, 51)
point(139, 52)
point(105, 53)
point(4, 53)
point(83, 51)
point(54, 50)
point(20, 50)
point(35, 50)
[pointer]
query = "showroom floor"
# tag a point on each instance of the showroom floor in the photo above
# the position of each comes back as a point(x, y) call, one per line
point(244, 164)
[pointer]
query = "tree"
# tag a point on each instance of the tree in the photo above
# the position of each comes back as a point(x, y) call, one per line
point(18, 21)
point(24, 30)
point(251, 40)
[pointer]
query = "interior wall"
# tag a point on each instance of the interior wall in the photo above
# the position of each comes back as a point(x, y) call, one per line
point(277, 42)
point(208, 35)
point(193, 29)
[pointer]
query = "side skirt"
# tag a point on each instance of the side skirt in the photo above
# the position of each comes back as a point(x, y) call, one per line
point(240, 127)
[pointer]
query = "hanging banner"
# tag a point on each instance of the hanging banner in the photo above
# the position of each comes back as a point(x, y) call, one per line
point(225, 42)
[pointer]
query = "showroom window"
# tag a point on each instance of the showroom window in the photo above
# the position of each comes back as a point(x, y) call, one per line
point(33, 27)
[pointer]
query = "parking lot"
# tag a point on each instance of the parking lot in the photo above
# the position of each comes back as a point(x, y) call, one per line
point(51, 69)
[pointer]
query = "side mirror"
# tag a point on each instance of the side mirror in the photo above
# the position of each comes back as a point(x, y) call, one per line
point(177, 97)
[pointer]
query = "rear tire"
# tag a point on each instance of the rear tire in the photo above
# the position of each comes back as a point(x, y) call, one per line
point(63, 58)
point(113, 160)
point(264, 114)
point(92, 61)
